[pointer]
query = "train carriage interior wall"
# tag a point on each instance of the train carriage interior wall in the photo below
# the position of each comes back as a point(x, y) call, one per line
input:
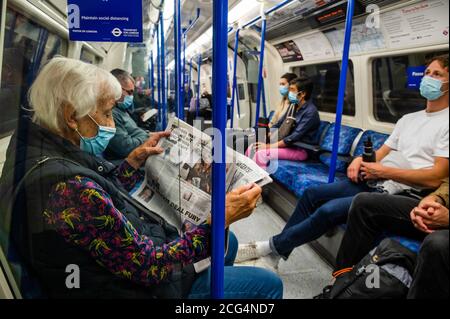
point(350, 171)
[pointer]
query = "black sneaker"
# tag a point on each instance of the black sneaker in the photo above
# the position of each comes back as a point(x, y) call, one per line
point(326, 293)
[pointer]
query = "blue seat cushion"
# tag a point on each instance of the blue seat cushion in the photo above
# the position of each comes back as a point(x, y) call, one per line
point(299, 176)
point(411, 244)
point(341, 163)
point(347, 138)
point(378, 140)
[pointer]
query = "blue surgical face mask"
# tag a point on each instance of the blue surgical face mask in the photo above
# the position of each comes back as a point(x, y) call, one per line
point(293, 98)
point(284, 90)
point(127, 103)
point(97, 145)
point(431, 88)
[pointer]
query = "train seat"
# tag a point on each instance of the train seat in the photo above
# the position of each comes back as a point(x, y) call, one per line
point(298, 176)
point(315, 147)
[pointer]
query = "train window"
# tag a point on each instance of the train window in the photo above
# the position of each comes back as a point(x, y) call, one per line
point(392, 96)
point(326, 86)
point(89, 57)
point(26, 47)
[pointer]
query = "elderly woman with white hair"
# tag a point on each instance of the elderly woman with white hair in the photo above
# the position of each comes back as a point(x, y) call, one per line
point(62, 205)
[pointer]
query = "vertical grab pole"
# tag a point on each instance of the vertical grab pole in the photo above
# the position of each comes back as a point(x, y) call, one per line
point(183, 67)
point(220, 58)
point(342, 87)
point(261, 65)
point(158, 58)
point(177, 44)
point(199, 66)
point(151, 75)
point(233, 96)
point(163, 73)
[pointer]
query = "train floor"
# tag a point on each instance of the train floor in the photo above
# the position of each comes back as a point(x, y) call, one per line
point(304, 274)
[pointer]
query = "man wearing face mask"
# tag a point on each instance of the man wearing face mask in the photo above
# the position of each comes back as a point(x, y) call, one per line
point(421, 140)
point(128, 135)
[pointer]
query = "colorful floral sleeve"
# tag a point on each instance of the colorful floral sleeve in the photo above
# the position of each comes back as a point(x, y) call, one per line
point(128, 176)
point(84, 214)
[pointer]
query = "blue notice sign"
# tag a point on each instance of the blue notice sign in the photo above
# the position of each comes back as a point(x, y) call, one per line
point(105, 20)
point(415, 75)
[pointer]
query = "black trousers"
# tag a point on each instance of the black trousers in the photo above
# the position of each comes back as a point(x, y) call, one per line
point(373, 214)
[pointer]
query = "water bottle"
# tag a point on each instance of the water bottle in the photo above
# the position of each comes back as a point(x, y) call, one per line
point(369, 155)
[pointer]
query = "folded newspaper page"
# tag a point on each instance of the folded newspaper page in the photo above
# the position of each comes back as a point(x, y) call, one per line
point(178, 183)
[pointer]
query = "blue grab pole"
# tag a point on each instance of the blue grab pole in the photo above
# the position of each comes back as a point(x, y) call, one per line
point(220, 58)
point(233, 96)
point(163, 73)
point(199, 66)
point(261, 69)
point(151, 75)
point(177, 45)
point(158, 59)
point(342, 87)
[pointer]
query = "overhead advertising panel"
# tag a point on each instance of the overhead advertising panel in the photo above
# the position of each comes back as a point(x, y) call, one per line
point(424, 23)
point(105, 20)
point(315, 46)
point(289, 52)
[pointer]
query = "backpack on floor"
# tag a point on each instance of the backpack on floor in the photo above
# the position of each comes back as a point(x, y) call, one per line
point(385, 273)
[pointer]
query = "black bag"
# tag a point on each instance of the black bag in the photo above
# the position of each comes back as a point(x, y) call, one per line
point(288, 124)
point(392, 261)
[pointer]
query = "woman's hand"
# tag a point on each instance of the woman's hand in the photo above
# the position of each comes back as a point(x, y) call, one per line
point(138, 157)
point(241, 202)
point(353, 170)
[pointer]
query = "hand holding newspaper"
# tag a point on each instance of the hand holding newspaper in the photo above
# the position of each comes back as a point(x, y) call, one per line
point(178, 184)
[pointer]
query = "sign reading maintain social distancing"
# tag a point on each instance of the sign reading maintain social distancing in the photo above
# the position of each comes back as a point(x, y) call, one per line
point(105, 20)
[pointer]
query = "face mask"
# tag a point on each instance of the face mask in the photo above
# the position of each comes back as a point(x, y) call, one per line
point(284, 90)
point(98, 144)
point(293, 98)
point(431, 88)
point(127, 103)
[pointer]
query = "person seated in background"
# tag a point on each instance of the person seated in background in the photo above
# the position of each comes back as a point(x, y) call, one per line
point(307, 124)
point(72, 208)
point(128, 135)
point(285, 81)
point(415, 155)
point(372, 215)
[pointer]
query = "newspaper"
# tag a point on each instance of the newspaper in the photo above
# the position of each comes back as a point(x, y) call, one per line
point(177, 184)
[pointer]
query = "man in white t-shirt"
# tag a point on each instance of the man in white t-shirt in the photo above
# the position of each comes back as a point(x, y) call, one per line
point(421, 140)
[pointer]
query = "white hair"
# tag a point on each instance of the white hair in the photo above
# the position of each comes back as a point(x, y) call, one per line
point(65, 81)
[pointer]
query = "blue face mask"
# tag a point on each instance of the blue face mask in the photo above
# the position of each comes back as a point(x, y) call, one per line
point(97, 145)
point(284, 90)
point(127, 103)
point(431, 88)
point(293, 98)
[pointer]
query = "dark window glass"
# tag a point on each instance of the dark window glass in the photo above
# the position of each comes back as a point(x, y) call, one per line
point(27, 47)
point(241, 90)
point(393, 97)
point(89, 57)
point(326, 86)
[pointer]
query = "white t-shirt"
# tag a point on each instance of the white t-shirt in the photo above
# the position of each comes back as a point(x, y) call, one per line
point(421, 137)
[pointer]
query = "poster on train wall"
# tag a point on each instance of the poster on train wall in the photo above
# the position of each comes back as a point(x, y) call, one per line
point(424, 23)
point(315, 47)
point(289, 52)
point(105, 20)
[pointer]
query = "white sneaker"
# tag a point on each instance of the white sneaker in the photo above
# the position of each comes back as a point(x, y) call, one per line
point(246, 252)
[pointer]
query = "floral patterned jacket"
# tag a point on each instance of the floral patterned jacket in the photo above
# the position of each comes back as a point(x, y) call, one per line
point(85, 216)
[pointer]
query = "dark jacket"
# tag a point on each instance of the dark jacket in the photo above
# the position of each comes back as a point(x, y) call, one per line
point(307, 125)
point(128, 136)
point(40, 249)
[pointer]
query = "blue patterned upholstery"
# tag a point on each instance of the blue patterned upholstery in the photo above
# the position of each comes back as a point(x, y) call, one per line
point(298, 176)
point(324, 125)
point(378, 140)
point(347, 138)
point(341, 164)
point(411, 244)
